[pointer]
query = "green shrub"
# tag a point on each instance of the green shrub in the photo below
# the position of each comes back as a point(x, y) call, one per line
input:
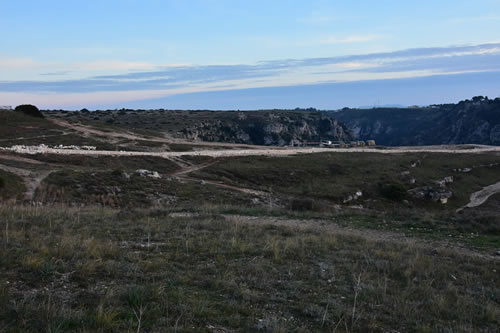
point(393, 191)
point(29, 110)
point(302, 204)
point(136, 296)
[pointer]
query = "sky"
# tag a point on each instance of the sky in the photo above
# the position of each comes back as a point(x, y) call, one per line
point(232, 54)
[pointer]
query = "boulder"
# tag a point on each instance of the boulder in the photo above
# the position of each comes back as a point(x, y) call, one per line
point(147, 173)
point(431, 193)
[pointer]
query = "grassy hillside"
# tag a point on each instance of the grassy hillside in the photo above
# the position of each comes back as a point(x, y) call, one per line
point(19, 129)
point(115, 271)
point(15, 124)
point(334, 177)
point(322, 185)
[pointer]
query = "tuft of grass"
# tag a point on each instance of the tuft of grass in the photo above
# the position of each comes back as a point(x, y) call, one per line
point(106, 318)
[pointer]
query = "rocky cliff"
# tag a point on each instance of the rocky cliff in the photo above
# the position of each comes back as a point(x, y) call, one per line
point(267, 128)
point(475, 121)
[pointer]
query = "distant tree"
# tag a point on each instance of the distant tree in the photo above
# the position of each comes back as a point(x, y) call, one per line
point(29, 110)
point(84, 110)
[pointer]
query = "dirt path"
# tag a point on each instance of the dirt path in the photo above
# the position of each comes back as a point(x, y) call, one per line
point(185, 170)
point(276, 151)
point(325, 226)
point(31, 179)
point(36, 137)
point(89, 131)
point(480, 197)
point(236, 188)
point(34, 182)
point(11, 157)
point(188, 168)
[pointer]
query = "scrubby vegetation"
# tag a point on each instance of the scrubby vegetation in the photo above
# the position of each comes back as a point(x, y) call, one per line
point(11, 186)
point(394, 191)
point(18, 128)
point(100, 163)
point(379, 177)
point(121, 189)
point(314, 186)
point(143, 271)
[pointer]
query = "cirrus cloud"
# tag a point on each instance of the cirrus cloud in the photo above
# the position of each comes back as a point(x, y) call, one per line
point(123, 81)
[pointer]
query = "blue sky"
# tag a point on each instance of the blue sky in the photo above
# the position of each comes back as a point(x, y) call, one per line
point(221, 54)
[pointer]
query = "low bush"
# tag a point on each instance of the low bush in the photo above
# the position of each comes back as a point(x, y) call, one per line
point(29, 110)
point(393, 191)
point(117, 172)
point(302, 204)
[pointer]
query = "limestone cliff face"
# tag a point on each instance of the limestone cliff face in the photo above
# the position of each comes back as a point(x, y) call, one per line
point(475, 121)
point(268, 128)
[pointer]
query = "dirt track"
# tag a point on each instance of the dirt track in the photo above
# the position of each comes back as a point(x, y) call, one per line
point(32, 179)
point(185, 170)
point(278, 151)
point(480, 197)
